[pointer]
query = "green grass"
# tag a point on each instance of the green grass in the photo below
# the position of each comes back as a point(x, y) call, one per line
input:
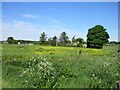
point(92, 68)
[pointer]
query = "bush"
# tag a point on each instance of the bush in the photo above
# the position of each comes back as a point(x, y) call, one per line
point(79, 45)
point(39, 73)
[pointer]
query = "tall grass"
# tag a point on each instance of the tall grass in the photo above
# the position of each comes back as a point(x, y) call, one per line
point(59, 67)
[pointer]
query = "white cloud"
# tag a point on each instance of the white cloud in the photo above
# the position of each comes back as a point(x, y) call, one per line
point(30, 31)
point(20, 30)
point(29, 15)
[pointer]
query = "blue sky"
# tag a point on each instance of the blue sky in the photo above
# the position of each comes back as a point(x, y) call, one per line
point(27, 20)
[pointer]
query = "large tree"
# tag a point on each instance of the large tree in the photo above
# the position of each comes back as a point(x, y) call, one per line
point(97, 37)
point(63, 38)
point(43, 38)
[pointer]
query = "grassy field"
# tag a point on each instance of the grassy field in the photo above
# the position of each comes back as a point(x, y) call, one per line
point(59, 67)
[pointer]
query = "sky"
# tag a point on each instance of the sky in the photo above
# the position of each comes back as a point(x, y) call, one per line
point(27, 20)
point(60, 0)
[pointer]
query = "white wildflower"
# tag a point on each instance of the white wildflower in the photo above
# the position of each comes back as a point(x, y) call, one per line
point(21, 75)
point(99, 81)
point(93, 75)
point(117, 74)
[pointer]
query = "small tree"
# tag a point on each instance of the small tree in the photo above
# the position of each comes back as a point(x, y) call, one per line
point(63, 38)
point(79, 41)
point(43, 38)
point(97, 37)
point(10, 40)
point(54, 41)
point(49, 40)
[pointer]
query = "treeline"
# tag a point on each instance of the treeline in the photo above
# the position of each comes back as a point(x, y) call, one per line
point(63, 40)
point(11, 40)
point(113, 43)
point(96, 38)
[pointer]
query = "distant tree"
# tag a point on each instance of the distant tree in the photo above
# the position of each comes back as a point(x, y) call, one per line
point(49, 40)
point(10, 40)
point(97, 37)
point(54, 41)
point(15, 41)
point(43, 38)
point(114, 42)
point(36, 42)
point(63, 38)
point(80, 40)
point(21, 41)
point(68, 41)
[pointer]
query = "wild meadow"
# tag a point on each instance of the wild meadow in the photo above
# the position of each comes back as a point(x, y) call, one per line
point(35, 66)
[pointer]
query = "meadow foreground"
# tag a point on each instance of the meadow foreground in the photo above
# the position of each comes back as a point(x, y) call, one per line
point(37, 66)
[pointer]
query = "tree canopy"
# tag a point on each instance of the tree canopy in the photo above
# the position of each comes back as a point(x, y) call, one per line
point(43, 38)
point(10, 40)
point(97, 37)
point(53, 41)
point(80, 40)
point(63, 38)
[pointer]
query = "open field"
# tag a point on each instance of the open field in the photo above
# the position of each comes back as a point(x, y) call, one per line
point(59, 67)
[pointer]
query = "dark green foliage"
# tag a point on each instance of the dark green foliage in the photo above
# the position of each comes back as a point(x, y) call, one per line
point(43, 38)
point(15, 42)
point(49, 40)
point(63, 39)
point(36, 42)
point(25, 42)
point(80, 52)
point(10, 40)
point(21, 41)
point(113, 43)
point(97, 37)
point(79, 45)
point(54, 41)
point(80, 40)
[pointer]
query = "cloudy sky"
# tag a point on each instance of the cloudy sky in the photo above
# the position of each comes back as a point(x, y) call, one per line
point(27, 20)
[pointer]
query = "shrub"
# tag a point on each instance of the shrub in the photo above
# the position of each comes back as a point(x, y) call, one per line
point(39, 73)
point(79, 45)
